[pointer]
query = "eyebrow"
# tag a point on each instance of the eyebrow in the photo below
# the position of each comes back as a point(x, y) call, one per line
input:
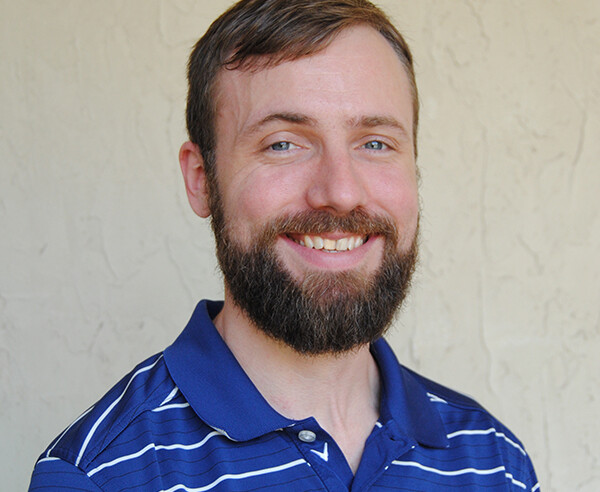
point(378, 120)
point(295, 118)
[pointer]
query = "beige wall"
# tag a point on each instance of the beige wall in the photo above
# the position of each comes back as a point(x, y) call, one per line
point(101, 260)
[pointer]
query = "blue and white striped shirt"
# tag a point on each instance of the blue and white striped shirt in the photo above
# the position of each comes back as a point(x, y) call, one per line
point(190, 419)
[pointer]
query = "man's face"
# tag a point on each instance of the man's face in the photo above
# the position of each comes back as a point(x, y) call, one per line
point(315, 172)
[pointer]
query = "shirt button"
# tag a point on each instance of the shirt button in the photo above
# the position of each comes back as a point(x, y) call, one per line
point(307, 436)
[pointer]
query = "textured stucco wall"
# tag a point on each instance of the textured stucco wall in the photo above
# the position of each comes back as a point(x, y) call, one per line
point(102, 261)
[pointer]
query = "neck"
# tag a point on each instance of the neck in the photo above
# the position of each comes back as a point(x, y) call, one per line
point(340, 391)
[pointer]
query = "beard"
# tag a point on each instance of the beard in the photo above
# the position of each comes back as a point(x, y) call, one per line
point(325, 312)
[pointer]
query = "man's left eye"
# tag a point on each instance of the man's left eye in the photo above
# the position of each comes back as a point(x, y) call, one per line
point(282, 146)
point(375, 145)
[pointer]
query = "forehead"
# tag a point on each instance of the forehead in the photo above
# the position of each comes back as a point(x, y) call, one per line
point(357, 75)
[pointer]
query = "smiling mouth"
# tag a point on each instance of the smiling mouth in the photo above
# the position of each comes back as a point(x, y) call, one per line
point(329, 245)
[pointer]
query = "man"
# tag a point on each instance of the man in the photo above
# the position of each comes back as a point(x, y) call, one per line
point(302, 116)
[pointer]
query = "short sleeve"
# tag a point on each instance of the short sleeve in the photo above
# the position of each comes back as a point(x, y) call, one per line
point(55, 475)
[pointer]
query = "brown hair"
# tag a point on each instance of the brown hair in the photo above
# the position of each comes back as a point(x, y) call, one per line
point(258, 33)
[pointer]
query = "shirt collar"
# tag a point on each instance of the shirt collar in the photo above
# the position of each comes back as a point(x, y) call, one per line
point(224, 397)
point(213, 382)
point(405, 403)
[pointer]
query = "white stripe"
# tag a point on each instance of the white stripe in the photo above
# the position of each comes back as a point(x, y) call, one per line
point(450, 473)
point(109, 409)
point(222, 432)
point(485, 432)
point(435, 398)
point(515, 482)
point(471, 432)
point(511, 442)
point(150, 446)
point(67, 430)
point(172, 405)
point(378, 424)
point(170, 396)
point(51, 458)
point(121, 459)
point(535, 487)
point(237, 476)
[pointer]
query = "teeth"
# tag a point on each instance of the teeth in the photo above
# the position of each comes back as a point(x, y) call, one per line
point(329, 244)
point(343, 244)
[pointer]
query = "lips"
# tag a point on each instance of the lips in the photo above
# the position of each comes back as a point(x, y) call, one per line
point(346, 243)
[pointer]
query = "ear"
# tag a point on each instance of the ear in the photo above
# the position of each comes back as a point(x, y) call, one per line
point(194, 176)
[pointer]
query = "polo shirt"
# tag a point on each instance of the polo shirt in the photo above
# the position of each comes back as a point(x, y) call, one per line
point(190, 419)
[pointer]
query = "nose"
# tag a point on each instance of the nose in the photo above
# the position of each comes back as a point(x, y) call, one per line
point(336, 184)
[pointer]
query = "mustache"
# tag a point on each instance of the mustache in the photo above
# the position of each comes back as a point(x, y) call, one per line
point(357, 221)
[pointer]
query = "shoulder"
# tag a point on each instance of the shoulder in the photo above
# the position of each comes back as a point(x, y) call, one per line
point(119, 418)
point(473, 430)
point(460, 413)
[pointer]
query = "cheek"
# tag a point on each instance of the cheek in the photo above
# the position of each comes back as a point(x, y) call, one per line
point(256, 198)
point(397, 195)
point(408, 202)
